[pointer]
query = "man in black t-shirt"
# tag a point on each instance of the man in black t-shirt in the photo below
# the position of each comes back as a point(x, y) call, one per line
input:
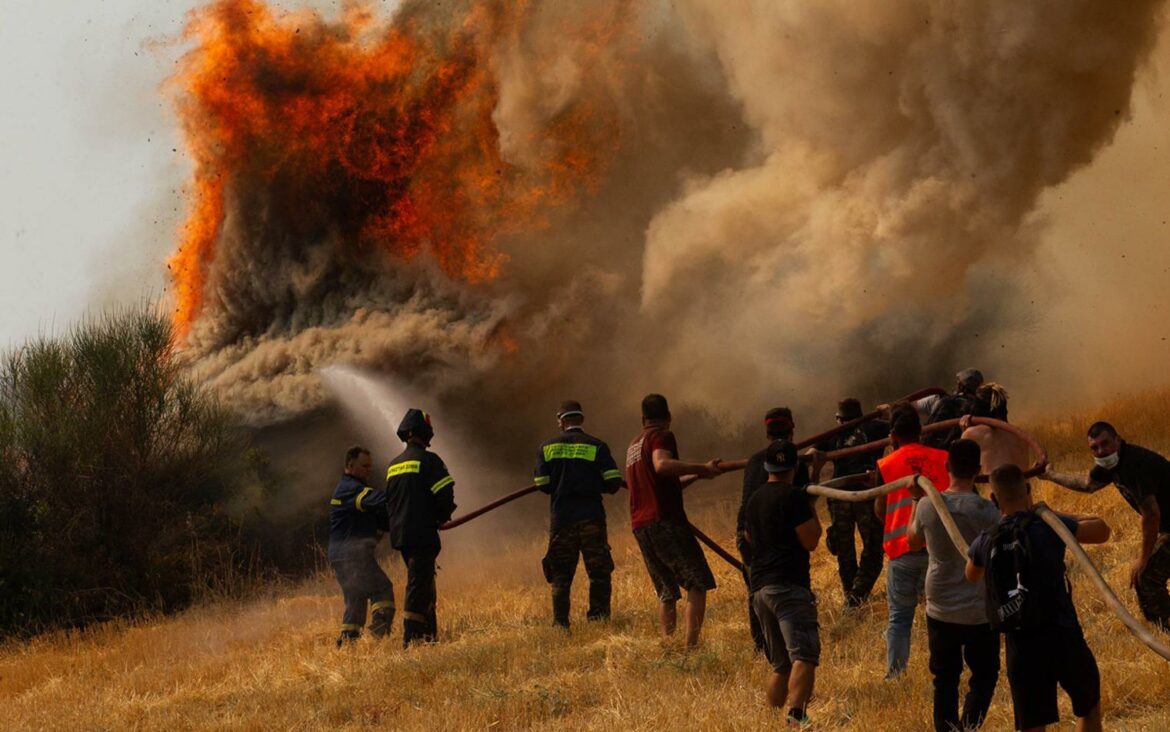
point(782, 529)
point(1143, 478)
point(778, 425)
point(1050, 651)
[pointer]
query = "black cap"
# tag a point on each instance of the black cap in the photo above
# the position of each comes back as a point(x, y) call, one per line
point(780, 457)
point(570, 408)
point(416, 423)
point(848, 409)
point(970, 378)
point(778, 422)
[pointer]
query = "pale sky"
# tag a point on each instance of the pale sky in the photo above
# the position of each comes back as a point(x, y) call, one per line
point(87, 173)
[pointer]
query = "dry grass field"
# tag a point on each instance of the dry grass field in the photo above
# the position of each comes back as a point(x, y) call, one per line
point(271, 664)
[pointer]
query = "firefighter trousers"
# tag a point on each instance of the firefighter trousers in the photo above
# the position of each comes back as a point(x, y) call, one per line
point(418, 614)
point(364, 583)
point(589, 540)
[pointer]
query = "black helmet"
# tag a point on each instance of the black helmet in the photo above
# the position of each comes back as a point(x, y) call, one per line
point(416, 423)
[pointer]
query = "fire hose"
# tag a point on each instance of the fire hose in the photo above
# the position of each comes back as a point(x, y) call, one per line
point(1036, 469)
point(489, 507)
point(1140, 631)
point(1042, 510)
point(728, 465)
point(830, 490)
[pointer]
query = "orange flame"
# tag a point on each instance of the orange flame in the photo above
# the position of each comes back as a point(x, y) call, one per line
point(394, 122)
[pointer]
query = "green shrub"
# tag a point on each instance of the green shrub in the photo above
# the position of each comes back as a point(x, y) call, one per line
point(114, 470)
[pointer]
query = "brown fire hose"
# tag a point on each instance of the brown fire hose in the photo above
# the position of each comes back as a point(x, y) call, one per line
point(1133, 624)
point(489, 507)
point(714, 546)
point(1143, 634)
point(944, 515)
point(730, 465)
point(1036, 469)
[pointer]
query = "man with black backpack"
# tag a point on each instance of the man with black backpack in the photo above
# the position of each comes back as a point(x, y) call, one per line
point(1029, 600)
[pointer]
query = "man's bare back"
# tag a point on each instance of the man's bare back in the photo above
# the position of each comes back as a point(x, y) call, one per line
point(998, 447)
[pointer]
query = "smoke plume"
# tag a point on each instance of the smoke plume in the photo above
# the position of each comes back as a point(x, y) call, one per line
point(503, 204)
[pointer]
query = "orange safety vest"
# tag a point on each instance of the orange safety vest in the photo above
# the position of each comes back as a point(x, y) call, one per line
point(908, 460)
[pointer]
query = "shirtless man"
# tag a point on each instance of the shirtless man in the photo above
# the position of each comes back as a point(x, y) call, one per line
point(998, 447)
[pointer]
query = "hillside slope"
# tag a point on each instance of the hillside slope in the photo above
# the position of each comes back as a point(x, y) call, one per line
point(271, 664)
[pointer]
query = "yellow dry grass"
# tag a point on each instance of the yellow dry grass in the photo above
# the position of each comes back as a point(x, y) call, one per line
point(271, 664)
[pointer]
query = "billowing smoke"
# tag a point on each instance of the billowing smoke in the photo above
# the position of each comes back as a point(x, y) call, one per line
point(735, 203)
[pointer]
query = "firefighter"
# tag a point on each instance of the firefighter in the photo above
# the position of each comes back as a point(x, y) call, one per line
point(575, 469)
point(357, 518)
point(420, 495)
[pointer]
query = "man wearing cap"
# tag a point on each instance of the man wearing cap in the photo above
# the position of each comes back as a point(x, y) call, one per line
point(357, 518)
point(857, 579)
point(952, 406)
point(778, 424)
point(783, 529)
point(575, 469)
point(672, 554)
point(420, 497)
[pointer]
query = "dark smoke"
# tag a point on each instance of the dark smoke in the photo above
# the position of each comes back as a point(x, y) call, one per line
point(805, 201)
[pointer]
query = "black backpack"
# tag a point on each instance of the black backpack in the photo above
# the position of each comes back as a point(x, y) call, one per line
point(1013, 597)
point(951, 406)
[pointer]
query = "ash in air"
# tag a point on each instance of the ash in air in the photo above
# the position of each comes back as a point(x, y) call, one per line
point(487, 198)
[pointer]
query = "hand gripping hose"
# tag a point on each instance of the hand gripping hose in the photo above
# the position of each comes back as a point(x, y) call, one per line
point(1036, 469)
point(1043, 511)
point(729, 465)
point(1143, 634)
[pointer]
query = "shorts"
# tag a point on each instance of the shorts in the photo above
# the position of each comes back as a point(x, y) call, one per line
point(674, 559)
point(788, 619)
point(1038, 660)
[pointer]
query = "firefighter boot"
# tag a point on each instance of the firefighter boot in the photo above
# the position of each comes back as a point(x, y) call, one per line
point(600, 591)
point(381, 618)
point(560, 603)
point(348, 635)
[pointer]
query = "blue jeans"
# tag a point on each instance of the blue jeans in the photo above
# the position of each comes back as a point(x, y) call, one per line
point(905, 583)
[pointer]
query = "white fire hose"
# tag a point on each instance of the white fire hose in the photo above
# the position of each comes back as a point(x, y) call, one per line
point(1043, 511)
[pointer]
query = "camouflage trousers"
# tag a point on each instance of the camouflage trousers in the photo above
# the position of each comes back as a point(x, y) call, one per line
point(857, 578)
point(1153, 598)
point(589, 540)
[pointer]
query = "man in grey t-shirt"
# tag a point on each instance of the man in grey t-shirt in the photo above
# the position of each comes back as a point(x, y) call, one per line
point(956, 613)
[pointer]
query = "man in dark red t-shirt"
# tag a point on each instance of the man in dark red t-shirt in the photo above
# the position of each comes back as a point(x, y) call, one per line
point(655, 477)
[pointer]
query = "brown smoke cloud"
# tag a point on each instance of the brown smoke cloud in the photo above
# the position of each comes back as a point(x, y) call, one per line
point(797, 200)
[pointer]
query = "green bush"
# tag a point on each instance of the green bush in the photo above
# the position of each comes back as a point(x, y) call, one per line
point(114, 470)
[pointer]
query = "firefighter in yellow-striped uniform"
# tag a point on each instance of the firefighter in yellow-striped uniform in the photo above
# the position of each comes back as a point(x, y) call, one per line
point(357, 518)
point(575, 469)
point(420, 496)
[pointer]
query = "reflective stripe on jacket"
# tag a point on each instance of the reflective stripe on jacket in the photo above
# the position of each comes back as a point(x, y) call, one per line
point(908, 460)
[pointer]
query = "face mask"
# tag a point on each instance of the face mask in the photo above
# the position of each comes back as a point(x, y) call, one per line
point(1109, 462)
